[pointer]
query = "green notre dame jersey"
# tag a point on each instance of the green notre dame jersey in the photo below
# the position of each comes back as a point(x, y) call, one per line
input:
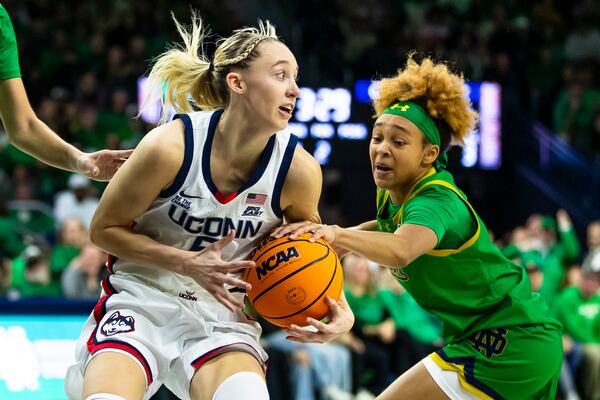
point(9, 56)
point(465, 281)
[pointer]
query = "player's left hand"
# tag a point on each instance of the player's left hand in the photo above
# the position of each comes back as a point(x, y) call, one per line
point(341, 320)
point(295, 229)
point(103, 164)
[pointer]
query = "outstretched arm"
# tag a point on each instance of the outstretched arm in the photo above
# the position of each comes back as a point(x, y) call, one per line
point(394, 250)
point(34, 137)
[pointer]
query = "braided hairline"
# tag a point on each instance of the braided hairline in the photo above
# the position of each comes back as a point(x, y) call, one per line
point(244, 55)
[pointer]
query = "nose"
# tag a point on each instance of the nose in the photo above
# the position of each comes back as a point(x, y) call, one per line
point(293, 90)
point(382, 148)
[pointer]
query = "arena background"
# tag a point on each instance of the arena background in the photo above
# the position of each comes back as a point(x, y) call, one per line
point(532, 67)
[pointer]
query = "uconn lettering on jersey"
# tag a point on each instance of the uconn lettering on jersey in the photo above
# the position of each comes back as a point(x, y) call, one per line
point(212, 229)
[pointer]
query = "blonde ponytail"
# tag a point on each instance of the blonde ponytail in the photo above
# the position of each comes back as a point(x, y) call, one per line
point(185, 71)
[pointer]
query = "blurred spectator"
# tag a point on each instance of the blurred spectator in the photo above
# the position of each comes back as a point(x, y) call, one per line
point(88, 94)
point(31, 277)
point(114, 123)
point(531, 261)
point(593, 236)
point(578, 309)
point(81, 279)
point(85, 131)
point(5, 274)
point(417, 332)
point(551, 246)
point(11, 244)
point(80, 201)
point(544, 85)
point(73, 236)
point(322, 370)
point(583, 43)
point(373, 327)
point(574, 113)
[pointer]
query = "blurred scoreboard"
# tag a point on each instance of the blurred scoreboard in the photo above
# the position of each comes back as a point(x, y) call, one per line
point(333, 123)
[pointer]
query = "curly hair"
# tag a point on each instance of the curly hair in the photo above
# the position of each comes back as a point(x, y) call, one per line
point(440, 92)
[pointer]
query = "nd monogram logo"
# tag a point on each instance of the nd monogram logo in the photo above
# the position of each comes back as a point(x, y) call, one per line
point(491, 341)
point(399, 274)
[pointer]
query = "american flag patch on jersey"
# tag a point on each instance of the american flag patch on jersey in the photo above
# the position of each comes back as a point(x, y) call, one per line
point(256, 198)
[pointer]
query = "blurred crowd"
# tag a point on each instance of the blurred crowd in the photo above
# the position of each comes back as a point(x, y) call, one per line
point(81, 62)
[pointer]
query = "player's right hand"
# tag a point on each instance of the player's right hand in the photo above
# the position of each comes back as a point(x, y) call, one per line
point(209, 270)
point(295, 229)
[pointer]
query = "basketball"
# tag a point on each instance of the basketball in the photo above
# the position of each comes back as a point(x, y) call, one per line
point(291, 279)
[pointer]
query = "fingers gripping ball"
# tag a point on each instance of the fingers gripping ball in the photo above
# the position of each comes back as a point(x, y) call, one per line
point(291, 279)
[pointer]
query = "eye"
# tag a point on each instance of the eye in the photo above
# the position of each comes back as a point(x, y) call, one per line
point(375, 139)
point(399, 142)
point(281, 75)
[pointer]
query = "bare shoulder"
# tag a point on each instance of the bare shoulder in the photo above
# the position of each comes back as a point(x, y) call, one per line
point(302, 188)
point(156, 159)
point(164, 145)
point(304, 171)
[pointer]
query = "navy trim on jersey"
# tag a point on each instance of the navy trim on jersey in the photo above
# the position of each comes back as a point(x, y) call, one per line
point(187, 157)
point(281, 175)
point(263, 162)
point(265, 157)
point(469, 370)
point(212, 126)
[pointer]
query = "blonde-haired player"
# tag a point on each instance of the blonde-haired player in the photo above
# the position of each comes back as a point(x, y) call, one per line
point(201, 191)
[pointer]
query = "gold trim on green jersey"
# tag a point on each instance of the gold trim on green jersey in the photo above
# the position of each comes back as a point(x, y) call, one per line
point(468, 243)
point(459, 369)
point(383, 196)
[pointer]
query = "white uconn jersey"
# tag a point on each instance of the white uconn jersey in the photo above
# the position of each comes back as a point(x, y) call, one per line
point(192, 213)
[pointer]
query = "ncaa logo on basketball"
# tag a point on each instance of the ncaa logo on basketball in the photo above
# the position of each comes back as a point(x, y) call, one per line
point(275, 260)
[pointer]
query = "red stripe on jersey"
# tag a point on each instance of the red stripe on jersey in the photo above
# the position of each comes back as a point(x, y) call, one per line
point(123, 346)
point(198, 362)
point(223, 199)
point(92, 346)
point(107, 287)
point(99, 308)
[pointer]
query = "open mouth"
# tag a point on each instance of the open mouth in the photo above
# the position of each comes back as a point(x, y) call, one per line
point(287, 110)
point(382, 168)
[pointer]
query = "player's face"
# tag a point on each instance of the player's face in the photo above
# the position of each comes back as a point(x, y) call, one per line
point(271, 85)
point(396, 152)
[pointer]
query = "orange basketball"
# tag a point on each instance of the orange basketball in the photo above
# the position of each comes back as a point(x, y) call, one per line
point(291, 279)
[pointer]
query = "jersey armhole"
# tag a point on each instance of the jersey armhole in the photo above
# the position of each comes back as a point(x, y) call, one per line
point(282, 174)
point(188, 134)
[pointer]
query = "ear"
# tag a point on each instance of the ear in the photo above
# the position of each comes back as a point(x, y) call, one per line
point(235, 82)
point(431, 153)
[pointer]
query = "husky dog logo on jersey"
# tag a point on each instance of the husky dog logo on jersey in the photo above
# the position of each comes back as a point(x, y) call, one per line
point(118, 323)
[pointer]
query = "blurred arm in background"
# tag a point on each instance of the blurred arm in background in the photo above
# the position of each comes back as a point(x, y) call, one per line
point(30, 134)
